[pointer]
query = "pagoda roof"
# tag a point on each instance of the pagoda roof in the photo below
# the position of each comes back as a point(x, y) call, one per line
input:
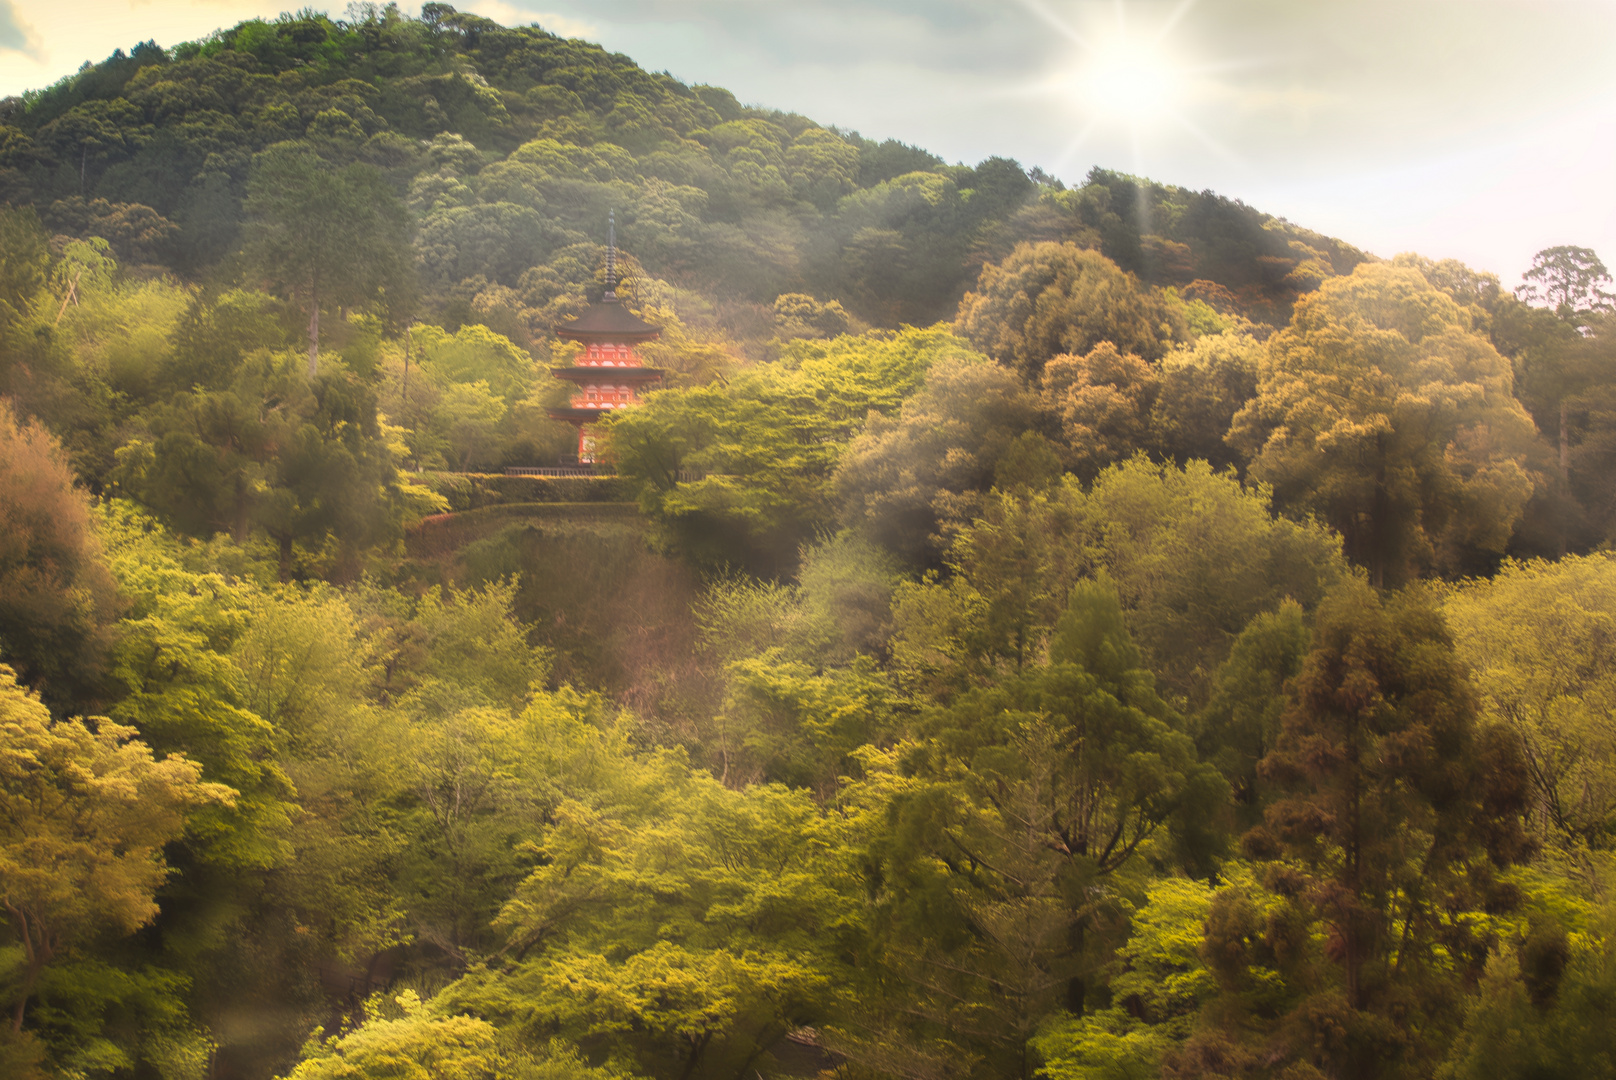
point(606, 373)
point(583, 416)
point(608, 320)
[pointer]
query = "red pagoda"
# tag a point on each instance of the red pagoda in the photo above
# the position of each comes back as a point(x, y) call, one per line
point(610, 373)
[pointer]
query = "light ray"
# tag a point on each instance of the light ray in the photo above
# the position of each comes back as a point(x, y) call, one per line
point(1053, 20)
point(1208, 141)
point(1174, 18)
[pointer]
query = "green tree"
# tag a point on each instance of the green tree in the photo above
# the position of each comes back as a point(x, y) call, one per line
point(1567, 280)
point(305, 461)
point(1158, 983)
point(24, 263)
point(1561, 347)
point(1395, 809)
point(1539, 1007)
point(1004, 856)
point(674, 927)
point(764, 445)
point(470, 415)
point(330, 237)
point(904, 477)
point(1240, 722)
point(414, 1039)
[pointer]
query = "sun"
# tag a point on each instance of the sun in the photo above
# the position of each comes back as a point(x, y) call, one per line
point(1126, 80)
point(1122, 77)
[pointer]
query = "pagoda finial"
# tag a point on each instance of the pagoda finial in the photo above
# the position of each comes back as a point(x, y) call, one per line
point(611, 256)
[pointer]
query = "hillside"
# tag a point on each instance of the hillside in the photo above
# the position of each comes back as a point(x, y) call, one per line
point(509, 146)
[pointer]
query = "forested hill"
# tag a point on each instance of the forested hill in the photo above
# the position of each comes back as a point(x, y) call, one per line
point(1030, 634)
point(509, 146)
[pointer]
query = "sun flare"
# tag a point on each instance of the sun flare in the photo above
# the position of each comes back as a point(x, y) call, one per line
point(1124, 80)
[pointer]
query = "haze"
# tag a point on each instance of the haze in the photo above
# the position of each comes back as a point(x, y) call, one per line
point(1480, 131)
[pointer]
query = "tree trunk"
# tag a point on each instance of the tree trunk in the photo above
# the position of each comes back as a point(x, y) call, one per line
point(314, 329)
point(242, 519)
point(36, 964)
point(286, 558)
point(1565, 446)
point(37, 952)
point(697, 1046)
point(1565, 475)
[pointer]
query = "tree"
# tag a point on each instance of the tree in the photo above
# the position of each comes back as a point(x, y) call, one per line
point(1539, 1007)
point(1240, 722)
point(303, 460)
point(329, 236)
point(57, 601)
point(1194, 556)
point(84, 816)
point(24, 263)
point(1158, 982)
point(798, 315)
point(415, 1039)
point(1396, 808)
point(1049, 298)
point(1005, 851)
point(475, 353)
point(1541, 640)
point(1103, 401)
point(470, 415)
point(673, 926)
point(1561, 347)
point(1567, 280)
point(1203, 387)
point(905, 476)
point(765, 444)
point(1380, 410)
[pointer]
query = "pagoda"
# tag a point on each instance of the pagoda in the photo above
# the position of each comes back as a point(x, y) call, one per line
point(609, 373)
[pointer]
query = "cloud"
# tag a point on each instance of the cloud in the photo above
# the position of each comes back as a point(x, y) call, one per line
point(17, 36)
point(503, 11)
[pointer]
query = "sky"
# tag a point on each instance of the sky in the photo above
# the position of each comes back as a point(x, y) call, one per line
point(1482, 130)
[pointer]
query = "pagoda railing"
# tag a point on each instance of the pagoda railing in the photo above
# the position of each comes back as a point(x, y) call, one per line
point(582, 470)
point(681, 476)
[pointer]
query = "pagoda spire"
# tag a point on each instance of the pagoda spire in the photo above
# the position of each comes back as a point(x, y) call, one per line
point(611, 256)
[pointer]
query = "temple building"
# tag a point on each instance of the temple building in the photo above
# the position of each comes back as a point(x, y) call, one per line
point(609, 373)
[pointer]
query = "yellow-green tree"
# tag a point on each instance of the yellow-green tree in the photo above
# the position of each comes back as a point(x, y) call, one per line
point(1540, 640)
point(1383, 412)
point(85, 811)
point(673, 926)
point(1049, 298)
point(409, 1039)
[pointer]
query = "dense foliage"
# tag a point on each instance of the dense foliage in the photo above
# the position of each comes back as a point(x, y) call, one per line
point(1090, 634)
